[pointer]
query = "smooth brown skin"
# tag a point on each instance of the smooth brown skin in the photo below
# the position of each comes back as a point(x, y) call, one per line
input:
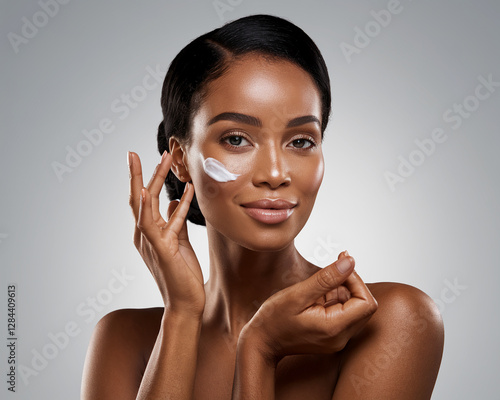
point(259, 328)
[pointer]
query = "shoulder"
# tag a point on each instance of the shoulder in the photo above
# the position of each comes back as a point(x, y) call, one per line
point(405, 306)
point(398, 351)
point(405, 315)
point(131, 321)
point(129, 329)
point(120, 347)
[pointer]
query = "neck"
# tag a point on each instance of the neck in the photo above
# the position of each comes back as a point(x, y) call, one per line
point(242, 279)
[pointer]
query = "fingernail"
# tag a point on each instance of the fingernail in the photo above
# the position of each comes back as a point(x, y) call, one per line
point(346, 253)
point(344, 265)
point(129, 159)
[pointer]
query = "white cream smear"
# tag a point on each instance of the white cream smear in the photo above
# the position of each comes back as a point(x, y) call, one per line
point(216, 170)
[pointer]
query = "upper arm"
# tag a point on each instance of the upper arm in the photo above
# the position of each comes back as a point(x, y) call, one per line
point(112, 364)
point(398, 354)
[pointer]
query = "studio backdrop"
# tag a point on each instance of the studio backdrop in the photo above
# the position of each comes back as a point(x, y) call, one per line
point(411, 184)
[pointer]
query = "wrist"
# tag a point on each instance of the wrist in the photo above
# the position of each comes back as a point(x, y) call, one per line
point(255, 370)
point(184, 319)
point(250, 343)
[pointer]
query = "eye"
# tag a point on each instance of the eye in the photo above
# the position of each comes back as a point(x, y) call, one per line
point(234, 140)
point(303, 143)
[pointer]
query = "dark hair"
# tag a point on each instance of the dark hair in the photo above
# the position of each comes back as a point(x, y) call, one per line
point(207, 57)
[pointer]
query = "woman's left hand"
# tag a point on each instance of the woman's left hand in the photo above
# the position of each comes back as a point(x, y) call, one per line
point(296, 321)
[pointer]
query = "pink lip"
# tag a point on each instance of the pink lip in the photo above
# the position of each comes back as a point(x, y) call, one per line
point(278, 204)
point(269, 211)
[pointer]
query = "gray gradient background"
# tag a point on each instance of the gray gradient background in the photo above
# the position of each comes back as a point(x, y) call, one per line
point(61, 241)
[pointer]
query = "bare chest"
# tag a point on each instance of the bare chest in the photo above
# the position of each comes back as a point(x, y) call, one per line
point(305, 376)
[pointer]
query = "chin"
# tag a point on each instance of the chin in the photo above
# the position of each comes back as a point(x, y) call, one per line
point(261, 237)
point(266, 245)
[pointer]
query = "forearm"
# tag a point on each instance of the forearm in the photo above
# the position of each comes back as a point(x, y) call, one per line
point(254, 375)
point(171, 369)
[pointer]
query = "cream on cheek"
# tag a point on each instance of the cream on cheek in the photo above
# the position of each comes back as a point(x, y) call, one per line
point(217, 171)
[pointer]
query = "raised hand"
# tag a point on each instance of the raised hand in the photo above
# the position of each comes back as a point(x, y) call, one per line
point(164, 245)
point(296, 320)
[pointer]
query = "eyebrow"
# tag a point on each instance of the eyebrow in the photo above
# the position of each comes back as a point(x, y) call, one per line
point(249, 120)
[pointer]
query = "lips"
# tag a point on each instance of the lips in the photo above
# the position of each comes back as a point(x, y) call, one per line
point(269, 211)
point(276, 204)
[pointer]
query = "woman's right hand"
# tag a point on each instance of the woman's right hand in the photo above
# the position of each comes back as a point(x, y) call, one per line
point(163, 245)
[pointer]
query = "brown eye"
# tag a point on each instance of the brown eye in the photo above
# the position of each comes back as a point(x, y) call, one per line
point(235, 140)
point(302, 143)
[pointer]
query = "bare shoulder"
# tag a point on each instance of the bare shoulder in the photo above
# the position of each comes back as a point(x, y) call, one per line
point(404, 311)
point(398, 353)
point(405, 305)
point(118, 352)
point(130, 330)
point(128, 323)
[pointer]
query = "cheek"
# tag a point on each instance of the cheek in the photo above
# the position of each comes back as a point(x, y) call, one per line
point(215, 183)
point(309, 176)
point(218, 171)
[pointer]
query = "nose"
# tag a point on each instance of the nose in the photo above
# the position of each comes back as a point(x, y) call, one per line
point(271, 167)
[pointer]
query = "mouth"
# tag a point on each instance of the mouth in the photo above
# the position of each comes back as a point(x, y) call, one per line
point(269, 211)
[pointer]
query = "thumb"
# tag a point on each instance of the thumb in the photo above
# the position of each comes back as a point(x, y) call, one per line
point(323, 281)
point(183, 233)
point(171, 208)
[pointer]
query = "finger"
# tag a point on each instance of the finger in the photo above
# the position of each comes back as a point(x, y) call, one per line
point(145, 222)
point(360, 306)
point(183, 233)
point(135, 173)
point(171, 208)
point(324, 281)
point(156, 183)
point(178, 217)
point(358, 288)
point(338, 295)
point(342, 254)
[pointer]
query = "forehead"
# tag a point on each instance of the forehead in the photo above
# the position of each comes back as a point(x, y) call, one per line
point(268, 89)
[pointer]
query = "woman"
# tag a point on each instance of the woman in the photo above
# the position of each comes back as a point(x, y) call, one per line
point(245, 108)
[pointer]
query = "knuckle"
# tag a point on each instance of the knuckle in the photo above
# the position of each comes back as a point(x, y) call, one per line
point(340, 345)
point(371, 307)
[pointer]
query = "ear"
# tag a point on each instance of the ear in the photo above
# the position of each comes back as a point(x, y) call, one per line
point(179, 166)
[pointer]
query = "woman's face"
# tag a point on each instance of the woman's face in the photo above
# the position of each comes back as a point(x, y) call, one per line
point(271, 139)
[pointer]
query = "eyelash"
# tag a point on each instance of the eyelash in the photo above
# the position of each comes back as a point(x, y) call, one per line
point(233, 134)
